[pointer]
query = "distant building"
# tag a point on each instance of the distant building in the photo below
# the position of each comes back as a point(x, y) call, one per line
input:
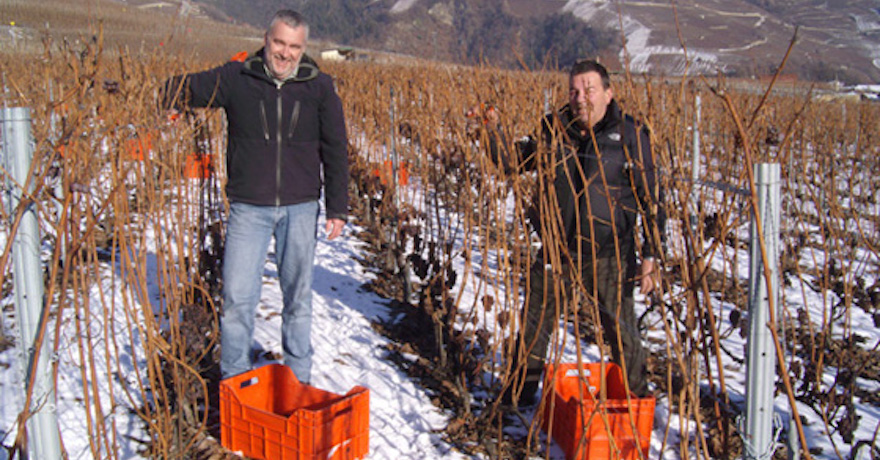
point(338, 54)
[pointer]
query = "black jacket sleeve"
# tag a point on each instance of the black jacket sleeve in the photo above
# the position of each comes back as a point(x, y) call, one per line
point(521, 157)
point(200, 89)
point(334, 155)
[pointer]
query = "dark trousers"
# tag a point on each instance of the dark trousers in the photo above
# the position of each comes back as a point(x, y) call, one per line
point(602, 281)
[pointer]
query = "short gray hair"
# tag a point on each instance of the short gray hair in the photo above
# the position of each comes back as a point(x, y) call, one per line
point(291, 18)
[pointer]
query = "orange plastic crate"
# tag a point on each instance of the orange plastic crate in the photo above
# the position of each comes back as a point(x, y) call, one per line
point(267, 414)
point(386, 172)
point(616, 428)
point(139, 147)
point(198, 166)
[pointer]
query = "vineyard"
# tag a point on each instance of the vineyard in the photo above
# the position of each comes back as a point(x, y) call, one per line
point(131, 208)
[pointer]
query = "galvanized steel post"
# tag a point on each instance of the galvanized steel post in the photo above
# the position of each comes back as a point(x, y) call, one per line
point(695, 165)
point(393, 180)
point(17, 150)
point(761, 357)
point(547, 99)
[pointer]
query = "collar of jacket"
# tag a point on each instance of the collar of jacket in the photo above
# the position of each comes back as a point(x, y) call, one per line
point(573, 130)
point(305, 71)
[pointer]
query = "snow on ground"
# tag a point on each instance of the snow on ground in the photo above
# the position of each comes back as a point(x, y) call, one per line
point(348, 352)
point(403, 422)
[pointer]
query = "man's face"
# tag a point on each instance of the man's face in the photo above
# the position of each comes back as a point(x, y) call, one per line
point(588, 98)
point(284, 47)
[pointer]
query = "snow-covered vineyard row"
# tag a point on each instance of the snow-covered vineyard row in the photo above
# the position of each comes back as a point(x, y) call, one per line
point(419, 301)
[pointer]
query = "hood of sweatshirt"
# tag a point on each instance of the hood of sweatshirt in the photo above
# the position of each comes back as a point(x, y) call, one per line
point(306, 70)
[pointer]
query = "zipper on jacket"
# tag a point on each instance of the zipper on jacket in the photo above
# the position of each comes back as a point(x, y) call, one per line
point(294, 119)
point(265, 121)
point(278, 138)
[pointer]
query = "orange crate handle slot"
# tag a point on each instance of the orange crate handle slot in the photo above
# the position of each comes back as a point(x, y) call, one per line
point(264, 418)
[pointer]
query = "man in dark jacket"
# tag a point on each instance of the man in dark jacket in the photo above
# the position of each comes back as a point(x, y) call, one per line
point(596, 177)
point(286, 140)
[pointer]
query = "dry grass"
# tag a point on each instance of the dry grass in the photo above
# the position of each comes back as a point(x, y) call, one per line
point(136, 31)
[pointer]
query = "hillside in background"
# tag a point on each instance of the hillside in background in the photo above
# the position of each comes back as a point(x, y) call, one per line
point(836, 39)
point(457, 31)
point(136, 27)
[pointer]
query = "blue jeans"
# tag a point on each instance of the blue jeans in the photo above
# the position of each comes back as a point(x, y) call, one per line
point(248, 234)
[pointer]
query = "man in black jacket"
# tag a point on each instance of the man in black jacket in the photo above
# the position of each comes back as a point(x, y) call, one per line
point(596, 177)
point(286, 142)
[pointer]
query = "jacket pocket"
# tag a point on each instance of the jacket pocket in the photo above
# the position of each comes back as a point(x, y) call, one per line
point(294, 119)
point(265, 121)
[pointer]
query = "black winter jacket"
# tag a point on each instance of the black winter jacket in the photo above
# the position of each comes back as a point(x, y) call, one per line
point(283, 139)
point(595, 191)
